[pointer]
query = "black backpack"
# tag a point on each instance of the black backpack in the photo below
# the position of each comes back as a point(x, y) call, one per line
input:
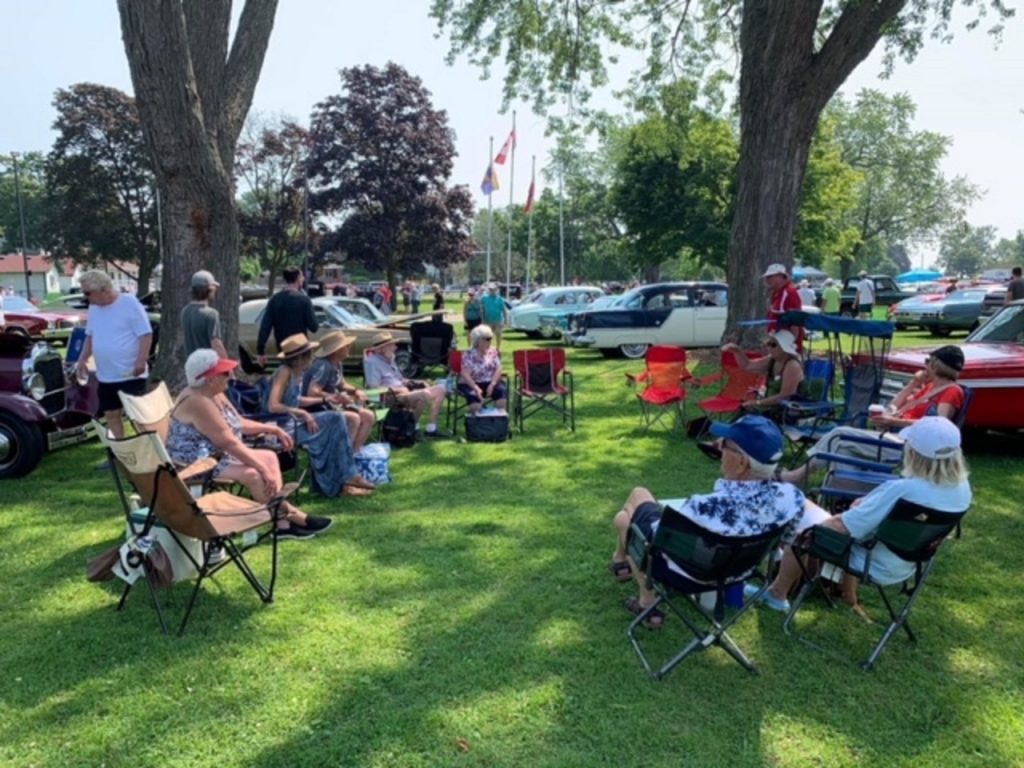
point(399, 428)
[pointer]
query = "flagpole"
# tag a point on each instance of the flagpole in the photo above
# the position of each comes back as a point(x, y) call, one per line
point(511, 211)
point(529, 222)
point(561, 219)
point(490, 217)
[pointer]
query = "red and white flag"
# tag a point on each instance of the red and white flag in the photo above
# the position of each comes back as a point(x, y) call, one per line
point(508, 146)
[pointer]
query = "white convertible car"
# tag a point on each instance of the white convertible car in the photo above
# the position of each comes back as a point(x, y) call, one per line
point(690, 314)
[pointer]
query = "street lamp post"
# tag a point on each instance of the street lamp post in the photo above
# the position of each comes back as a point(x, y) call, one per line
point(21, 221)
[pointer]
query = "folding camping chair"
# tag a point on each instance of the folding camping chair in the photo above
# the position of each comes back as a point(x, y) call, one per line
point(911, 531)
point(209, 518)
point(542, 381)
point(738, 386)
point(713, 563)
point(431, 343)
point(248, 399)
point(664, 375)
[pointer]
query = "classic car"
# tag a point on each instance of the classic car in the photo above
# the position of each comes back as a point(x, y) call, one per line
point(993, 369)
point(41, 407)
point(365, 309)
point(957, 311)
point(40, 324)
point(906, 313)
point(690, 314)
point(887, 292)
point(554, 324)
point(525, 316)
point(331, 317)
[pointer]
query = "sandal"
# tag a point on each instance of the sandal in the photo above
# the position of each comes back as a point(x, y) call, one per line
point(360, 482)
point(355, 490)
point(655, 619)
point(620, 571)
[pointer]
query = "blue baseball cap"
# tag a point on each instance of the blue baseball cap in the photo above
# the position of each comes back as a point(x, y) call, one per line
point(756, 436)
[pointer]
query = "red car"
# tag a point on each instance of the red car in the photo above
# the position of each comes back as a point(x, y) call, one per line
point(54, 327)
point(993, 369)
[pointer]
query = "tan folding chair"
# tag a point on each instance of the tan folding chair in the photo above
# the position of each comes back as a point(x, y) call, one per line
point(150, 412)
point(210, 518)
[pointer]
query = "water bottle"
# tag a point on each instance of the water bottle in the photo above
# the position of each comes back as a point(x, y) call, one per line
point(134, 502)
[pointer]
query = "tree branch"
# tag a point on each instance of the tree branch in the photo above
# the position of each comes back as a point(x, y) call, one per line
point(243, 68)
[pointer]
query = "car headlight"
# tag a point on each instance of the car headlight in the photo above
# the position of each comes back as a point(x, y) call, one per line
point(34, 386)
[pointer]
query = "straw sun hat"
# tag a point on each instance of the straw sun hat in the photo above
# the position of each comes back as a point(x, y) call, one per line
point(334, 341)
point(296, 345)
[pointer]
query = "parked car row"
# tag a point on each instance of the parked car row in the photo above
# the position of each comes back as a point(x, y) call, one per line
point(943, 313)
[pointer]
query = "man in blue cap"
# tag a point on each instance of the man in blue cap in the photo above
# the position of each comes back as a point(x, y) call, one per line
point(746, 501)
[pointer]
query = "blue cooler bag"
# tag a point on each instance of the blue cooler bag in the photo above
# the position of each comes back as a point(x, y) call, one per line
point(373, 461)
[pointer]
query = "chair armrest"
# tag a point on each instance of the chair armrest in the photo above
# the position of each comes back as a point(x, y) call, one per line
point(711, 378)
point(194, 472)
point(829, 545)
point(868, 465)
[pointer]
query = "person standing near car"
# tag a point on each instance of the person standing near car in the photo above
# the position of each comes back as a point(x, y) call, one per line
point(118, 335)
point(864, 300)
point(784, 298)
point(289, 312)
point(494, 311)
point(1015, 288)
point(200, 323)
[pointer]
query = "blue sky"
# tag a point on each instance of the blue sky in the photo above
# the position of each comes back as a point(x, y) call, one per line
point(968, 90)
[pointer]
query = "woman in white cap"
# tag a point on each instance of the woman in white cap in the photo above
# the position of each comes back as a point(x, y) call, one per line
point(203, 422)
point(934, 475)
point(784, 373)
point(324, 435)
point(326, 380)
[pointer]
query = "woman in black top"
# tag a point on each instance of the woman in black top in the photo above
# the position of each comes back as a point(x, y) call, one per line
point(438, 298)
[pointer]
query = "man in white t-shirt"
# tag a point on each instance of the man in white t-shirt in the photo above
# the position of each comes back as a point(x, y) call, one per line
point(807, 296)
point(864, 301)
point(118, 335)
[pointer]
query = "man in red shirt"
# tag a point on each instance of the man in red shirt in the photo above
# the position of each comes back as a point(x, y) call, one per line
point(785, 297)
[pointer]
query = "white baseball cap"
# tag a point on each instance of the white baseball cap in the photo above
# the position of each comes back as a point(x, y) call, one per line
point(934, 437)
point(775, 269)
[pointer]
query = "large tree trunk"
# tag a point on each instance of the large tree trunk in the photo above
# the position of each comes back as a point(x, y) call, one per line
point(786, 80)
point(193, 95)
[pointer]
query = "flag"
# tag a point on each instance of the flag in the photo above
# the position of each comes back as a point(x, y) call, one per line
point(510, 144)
point(490, 182)
point(529, 197)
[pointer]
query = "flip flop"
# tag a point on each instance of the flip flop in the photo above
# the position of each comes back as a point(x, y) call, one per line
point(620, 571)
point(655, 619)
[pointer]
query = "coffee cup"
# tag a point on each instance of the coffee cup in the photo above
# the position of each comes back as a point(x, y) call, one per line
point(876, 410)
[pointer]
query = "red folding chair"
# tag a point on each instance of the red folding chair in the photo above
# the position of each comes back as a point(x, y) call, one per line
point(455, 403)
point(738, 386)
point(662, 381)
point(542, 381)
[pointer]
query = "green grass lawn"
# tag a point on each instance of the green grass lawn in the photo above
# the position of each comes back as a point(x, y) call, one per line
point(464, 616)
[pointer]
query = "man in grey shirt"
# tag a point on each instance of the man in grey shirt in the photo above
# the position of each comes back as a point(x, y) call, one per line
point(200, 323)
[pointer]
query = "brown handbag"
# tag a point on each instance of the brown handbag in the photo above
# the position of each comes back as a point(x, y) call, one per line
point(102, 568)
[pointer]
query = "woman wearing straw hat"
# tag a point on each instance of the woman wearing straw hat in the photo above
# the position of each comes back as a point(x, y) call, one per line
point(781, 367)
point(324, 435)
point(326, 381)
point(204, 422)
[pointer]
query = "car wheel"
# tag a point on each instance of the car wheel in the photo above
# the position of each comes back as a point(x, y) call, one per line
point(941, 331)
point(533, 334)
point(550, 332)
point(901, 327)
point(634, 351)
point(403, 359)
point(17, 329)
point(610, 353)
point(21, 446)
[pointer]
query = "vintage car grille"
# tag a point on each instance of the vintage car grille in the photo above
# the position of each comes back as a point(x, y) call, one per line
point(51, 368)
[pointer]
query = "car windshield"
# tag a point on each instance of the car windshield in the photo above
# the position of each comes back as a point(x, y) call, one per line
point(18, 304)
point(534, 297)
point(1007, 325)
point(362, 309)
point(632, 300)
point(345, 319)
point(974, 295)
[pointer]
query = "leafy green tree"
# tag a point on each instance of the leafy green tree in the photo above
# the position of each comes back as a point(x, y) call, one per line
point(270, 165)
point(1009, 251)
point(100, 182)
point(32, 177)
point(966, 250)
point(903, 196)
point(794, 56)
point(380, 160)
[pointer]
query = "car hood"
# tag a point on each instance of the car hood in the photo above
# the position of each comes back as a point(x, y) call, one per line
point(981, 360)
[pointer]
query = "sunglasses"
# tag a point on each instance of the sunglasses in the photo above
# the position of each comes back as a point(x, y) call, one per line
point(486, 338)
point(771, 344)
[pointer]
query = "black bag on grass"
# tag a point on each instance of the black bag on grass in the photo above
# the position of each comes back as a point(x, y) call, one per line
point(487, 428)
point(399, 427)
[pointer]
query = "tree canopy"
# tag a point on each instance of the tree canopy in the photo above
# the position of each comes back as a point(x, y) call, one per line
point(380, 159)
point(32, 179)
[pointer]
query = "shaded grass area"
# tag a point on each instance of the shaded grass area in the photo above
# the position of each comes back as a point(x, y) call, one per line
point(463, 616)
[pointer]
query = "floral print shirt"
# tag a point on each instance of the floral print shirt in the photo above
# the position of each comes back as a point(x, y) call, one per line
point(481, 366)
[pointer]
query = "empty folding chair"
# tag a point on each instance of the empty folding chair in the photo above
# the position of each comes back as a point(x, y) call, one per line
point(662, 390)
point(211, 518)
point(713, 563)
point(911, 531)
point(431, 343)
point(542, 381)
